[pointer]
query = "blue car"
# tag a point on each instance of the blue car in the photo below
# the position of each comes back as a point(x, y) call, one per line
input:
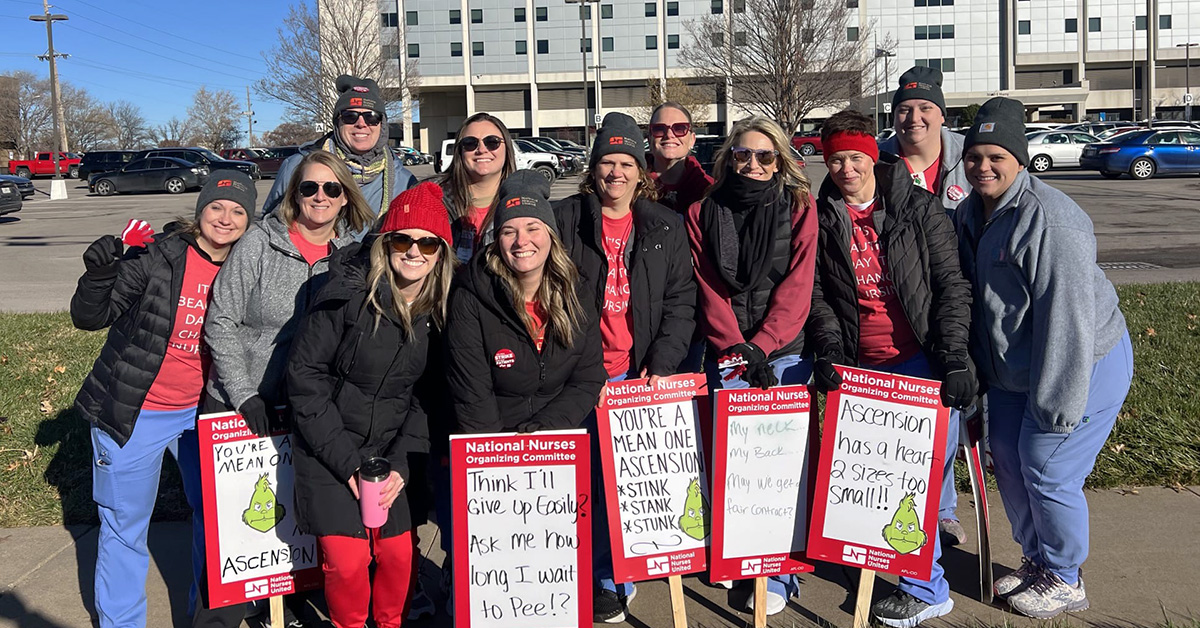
point(1145, 153)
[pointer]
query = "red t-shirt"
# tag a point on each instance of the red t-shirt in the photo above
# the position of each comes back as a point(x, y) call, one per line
point(616, 322)
point(312, 253)
point(181, 377)
point(535, 311)
point(928, 178)
point(884, 335)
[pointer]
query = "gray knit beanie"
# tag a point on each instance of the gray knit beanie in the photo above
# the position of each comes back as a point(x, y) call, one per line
point(1001, 121)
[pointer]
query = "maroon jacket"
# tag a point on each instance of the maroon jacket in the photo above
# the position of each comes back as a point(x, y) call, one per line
point(688, 190)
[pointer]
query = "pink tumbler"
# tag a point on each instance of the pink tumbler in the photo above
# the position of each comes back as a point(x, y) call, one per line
point(372, 476)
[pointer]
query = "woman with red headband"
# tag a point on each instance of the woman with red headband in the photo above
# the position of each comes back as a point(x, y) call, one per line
point(889, 295)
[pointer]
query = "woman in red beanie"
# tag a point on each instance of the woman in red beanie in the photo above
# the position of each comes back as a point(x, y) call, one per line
point(354, 363)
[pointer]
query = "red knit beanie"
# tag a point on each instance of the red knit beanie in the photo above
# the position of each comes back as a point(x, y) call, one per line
point(419, 207)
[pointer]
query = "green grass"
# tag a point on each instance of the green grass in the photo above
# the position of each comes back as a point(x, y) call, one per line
point(45, 451)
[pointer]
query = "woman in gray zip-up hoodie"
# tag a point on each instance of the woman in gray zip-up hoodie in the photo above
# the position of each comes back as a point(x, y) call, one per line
point(1050, 342)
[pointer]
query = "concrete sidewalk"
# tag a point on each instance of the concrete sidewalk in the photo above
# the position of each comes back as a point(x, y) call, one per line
point(1142, 571)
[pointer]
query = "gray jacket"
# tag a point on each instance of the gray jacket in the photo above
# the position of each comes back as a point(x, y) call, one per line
point(955, 186)
point(402, 179)
point(1043, 311)
point(257, 301)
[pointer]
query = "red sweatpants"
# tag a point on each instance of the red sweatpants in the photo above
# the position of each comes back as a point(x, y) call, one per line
point(348, 588)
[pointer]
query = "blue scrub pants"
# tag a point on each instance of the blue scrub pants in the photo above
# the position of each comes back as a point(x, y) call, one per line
point(1040, 473)
point(602, 566)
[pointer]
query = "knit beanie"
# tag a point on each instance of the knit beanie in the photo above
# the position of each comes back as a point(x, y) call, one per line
point(920, 82)
point(229, 185)
point(1001, 121)
point(523, 194)
point(357, 93)
point(419, 207)
point(619, 133)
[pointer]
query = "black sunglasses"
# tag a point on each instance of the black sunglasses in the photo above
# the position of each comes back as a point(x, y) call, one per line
point(469, 143)
point(742, 155)
point(402, 242)
point(333, 189)
point(349, 117)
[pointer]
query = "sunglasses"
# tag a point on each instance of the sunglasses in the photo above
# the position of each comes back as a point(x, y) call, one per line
point(351, 117)
point(469, 143)
point(742, 155)
point(679, 129)
point(333, 189)
point(402, 242)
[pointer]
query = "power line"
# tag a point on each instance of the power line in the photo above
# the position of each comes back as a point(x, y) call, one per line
point(207, 45)
point(159, 53)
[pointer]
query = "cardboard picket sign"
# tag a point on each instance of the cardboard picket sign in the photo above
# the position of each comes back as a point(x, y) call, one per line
point(761, 507)
point(655, 483)
point(253, 548)
point(522, 530)
point(880, 473)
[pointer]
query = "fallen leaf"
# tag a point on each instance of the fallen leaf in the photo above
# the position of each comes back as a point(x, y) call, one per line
point(51, 379)
point(45, 407)
point(3, 359)
point(1191, 317)
point(1150, 332)
point(1134, 491)
point(60, 369)
point(13, 466)
point(1118, 448)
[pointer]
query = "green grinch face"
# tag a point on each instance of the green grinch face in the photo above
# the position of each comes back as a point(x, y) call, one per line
point(695, 510)
point(904, 533)
point(263, 513)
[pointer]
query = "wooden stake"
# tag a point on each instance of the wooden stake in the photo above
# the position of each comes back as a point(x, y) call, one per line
point(677, 611)
point(277, 611)
point(862, 606)
point(760, 602)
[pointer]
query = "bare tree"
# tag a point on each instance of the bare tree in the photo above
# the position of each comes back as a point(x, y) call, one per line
point(88, 123)
point(697, 98)
point(784, 58)
point(213, 119)
point(33, 118)
point(316, 45)
point(130, 130)
point(173, 133)
point(290, 134)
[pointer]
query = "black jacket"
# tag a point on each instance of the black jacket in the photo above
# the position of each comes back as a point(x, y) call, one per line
point(661, 281)
point(554, 389)
point(350, 387)
point(139, 301)
point(922, 254)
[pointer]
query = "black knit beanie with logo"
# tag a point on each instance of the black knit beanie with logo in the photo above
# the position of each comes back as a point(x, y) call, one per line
point(357, 93)
point(619, 133)
point(523, 194)
point(920, 82)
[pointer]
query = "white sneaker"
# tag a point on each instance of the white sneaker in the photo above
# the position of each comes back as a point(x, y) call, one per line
point(775, 603)
point(1016, 581)
point(1049, 596)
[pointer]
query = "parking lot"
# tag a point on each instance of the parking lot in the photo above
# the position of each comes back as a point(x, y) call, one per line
point(1147, 231)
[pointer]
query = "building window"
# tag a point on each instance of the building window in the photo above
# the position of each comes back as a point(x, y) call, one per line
point(477, 16)
point(851, 4)
point(947, 31)
point(651, 9)
point(651, 42)
point(585, 11)
point(1164, 22)
point(739, 38)
point(476, 49)
point(1072, 25)
point(390, 51)
point(456, 49)
point(519, 14)
point(933, 3)
point(918, 3)
point(945, 65)
point(739, 6)
point(585, 45)
point(543, 46)
point(717, 7)
point(1093, 25)
point(920, 32)
point(1023, 27)
point(1139, 23)
point(606, 44)
point(672, 42)
point(414, 51)
point(410, 18)
point(672, 8)
point(852, 33)
point(541, 14)
point(389, 19)
point(455, 16)
point(522, 48)
point(606, 12)
point(718, 39)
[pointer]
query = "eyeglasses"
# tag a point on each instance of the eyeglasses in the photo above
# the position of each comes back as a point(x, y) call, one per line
point(679, 129)
point(742, 155)
point(469, 143)
point(349, 117)
point(402, 242)
point(333, 189)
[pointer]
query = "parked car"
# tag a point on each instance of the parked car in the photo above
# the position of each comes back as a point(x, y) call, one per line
point(24, 186)
point(412, 156)
point(267, 160)
point(1056, 149)
point(103, 161)
point(154, 174)
point(10, 198)
point(42, 164)
point(555, 144)
point(1145, 153)
point(807, 143)
point(1031, 127)
point(1091, 128)
point(885, 135)
point(1105, 136)
point(570, 162)
point(706, 147)
point(203, 157)
point(548, 165)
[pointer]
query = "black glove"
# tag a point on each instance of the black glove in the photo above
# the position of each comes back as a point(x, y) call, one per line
point(761, 375)
point(103, 256)
point(747, 351)
point(825, 377)
point(959, 386)
point(529, 427)
point(257, 415)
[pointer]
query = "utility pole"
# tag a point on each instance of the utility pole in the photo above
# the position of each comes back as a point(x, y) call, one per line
point(249, 113)
point(1187, 79)
point(59, 188)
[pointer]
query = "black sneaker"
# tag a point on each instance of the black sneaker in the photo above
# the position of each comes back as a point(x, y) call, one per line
point(901, 610)
point(607, 607)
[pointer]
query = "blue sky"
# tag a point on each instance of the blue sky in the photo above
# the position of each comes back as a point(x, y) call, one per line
point(155, 54)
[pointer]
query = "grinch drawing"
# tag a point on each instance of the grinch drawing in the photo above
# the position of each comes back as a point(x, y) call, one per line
point(693, 521)
point(263, 513)
point(904, 533)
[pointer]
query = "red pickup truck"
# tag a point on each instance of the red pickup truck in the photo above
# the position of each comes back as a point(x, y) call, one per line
point(43, 164)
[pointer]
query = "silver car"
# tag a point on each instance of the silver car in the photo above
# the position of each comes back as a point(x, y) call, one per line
point(1056, 149)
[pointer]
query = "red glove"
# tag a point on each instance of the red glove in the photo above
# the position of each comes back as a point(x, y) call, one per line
point(137, 233)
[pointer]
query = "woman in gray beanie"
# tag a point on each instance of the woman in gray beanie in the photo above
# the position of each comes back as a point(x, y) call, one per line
point(1051, 345)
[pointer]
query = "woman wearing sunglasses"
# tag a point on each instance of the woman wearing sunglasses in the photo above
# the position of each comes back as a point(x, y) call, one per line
point(360, 140)
point(267, 285)
point(483, 158)
point(680, 178)
point(633, 254)
point(357, 357)
point(753, 241)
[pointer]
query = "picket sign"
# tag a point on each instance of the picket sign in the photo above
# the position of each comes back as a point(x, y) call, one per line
point(972, 430)
point(879, 477)
point(253, 547)
point(655, 482)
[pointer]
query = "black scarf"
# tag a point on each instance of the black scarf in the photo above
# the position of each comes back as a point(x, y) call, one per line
point(739, 222)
